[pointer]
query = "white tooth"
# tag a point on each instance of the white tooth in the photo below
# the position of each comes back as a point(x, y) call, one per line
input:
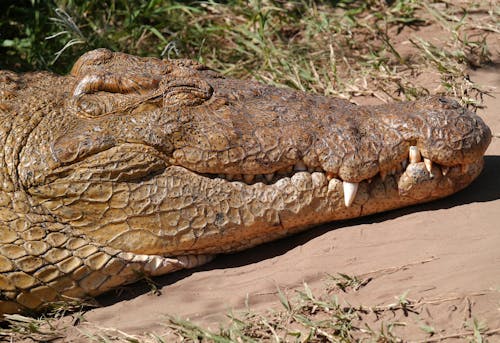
point(445, 170)
point(269, 177)
point(414, 154)
point(428, 164)
point(300, 166)
point(157, 263)
point(350, 190)
point(153, 265)
point(248, 178)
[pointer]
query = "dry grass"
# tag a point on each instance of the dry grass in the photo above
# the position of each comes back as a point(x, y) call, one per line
point(303, 317)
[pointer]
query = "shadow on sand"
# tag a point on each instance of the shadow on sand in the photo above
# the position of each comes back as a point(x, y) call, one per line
point(484, 189)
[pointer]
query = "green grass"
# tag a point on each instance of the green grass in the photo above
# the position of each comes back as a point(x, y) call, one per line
point(345, 48)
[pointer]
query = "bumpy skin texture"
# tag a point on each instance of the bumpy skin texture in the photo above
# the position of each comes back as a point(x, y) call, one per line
point(136, 166)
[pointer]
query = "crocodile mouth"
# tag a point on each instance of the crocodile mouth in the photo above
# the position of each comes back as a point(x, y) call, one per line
point(135, 163)
point(141, 203)
point(409, 173)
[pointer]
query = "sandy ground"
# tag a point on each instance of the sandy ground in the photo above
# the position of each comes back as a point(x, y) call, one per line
point(445, 254)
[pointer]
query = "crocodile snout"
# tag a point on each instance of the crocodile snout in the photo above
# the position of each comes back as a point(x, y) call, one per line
point(452, 134)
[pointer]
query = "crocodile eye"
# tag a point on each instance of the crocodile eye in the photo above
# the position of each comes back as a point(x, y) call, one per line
point(185, 91)
point(90, 107)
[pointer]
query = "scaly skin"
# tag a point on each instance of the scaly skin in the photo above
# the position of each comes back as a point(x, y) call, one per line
point(136, 166)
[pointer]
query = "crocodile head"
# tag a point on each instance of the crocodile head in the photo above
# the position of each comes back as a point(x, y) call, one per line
point(169, 158)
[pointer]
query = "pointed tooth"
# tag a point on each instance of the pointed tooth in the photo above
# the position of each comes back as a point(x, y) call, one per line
point(350, 190)
point(428, 164)
point(414, 154)
point(269, 177)
point(300, 166)
point(248, 178)
point(445, 170)
point(156, 263)
point(153, 265)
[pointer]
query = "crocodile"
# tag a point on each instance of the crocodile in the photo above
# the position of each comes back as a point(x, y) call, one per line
point(135, 166)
